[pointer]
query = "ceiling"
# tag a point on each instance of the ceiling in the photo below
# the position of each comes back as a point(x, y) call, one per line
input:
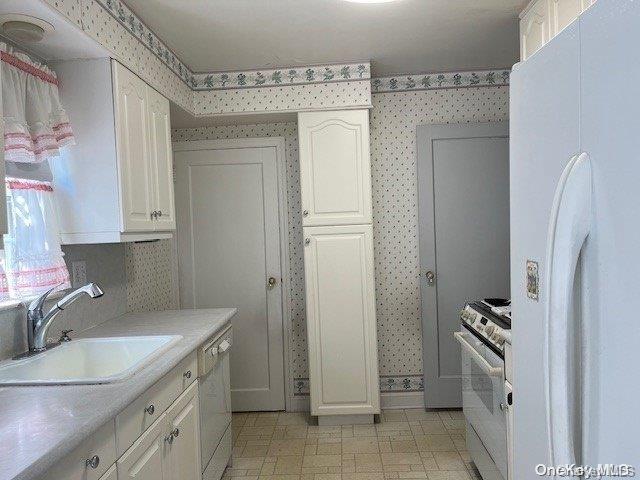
point(407, 36)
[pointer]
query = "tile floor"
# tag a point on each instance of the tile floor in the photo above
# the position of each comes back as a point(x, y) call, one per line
point(411, 444)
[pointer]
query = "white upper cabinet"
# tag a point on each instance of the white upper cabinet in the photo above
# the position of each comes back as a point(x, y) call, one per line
point(335, 169)
point(544, 19)
point(116, 184)
point(534, 28)
point(133, 129)
point(161, 159)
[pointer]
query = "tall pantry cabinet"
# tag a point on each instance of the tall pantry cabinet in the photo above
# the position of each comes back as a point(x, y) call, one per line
point(335, 174)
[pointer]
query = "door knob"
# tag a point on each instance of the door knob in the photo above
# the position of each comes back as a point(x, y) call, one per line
point(271, 282)
point(431, 278)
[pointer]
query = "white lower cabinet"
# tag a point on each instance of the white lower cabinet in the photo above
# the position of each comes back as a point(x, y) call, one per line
point(341, 320)
point(169, 449)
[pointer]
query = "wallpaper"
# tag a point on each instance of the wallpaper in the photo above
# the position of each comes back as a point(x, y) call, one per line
point(394, 119)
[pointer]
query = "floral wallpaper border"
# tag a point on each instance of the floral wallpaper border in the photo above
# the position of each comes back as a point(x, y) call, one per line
point(283, 76)
point(145, 35)
point(435, 81)
point(296, 75)
point(388, 384)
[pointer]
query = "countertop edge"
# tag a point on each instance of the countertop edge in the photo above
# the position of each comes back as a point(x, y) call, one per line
point(180, 351)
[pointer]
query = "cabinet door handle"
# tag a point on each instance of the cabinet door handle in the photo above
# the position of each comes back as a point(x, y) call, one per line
point(93, 462)
point(150, 409)
point(187, 374)
point(176, 432)
point(305, 213)
point(159, 213)
point(307, 241)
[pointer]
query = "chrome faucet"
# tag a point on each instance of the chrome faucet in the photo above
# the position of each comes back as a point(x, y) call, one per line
point(38, 323)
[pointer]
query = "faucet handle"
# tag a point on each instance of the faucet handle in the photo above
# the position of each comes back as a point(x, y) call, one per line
point(65, 335)
point(38, 303)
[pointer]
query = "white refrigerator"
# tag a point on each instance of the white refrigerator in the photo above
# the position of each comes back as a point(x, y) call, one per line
point(575, 244)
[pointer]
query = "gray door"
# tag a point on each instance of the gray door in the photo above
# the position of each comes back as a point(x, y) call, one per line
point(463, 190)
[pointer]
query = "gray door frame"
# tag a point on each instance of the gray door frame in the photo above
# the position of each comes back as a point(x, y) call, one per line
point(447, 389)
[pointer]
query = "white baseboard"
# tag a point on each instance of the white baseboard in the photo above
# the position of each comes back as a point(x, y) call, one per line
point(299, 404)
point(399, 400)
point(388, 401)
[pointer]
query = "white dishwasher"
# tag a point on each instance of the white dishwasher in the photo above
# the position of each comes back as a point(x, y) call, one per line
point(215, 405)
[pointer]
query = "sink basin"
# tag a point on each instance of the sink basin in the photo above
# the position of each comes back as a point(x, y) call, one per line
point(87, 361)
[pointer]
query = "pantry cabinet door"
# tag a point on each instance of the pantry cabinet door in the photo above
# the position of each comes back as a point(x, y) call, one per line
point(132, 143)
point(535, 28)
point(335, 168)
point(160, 151)
point(563, 12)
point(341, 320)
point(183, 419)
point(146, 458)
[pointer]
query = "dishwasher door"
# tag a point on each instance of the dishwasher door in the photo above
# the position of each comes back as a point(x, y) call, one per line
point(215, 402)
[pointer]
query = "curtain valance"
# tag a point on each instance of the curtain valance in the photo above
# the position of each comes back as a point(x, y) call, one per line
point(35, 123)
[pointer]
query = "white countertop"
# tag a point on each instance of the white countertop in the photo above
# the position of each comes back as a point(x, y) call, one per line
point(40, 425)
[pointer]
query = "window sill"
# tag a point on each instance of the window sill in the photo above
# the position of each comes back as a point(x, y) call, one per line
point(15, 302)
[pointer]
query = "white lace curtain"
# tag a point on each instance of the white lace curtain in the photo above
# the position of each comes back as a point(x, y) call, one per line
point(35, 128)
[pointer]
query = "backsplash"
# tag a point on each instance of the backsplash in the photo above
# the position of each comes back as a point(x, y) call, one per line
point(105, 266)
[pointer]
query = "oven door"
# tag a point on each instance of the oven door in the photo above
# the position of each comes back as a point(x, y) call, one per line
point(483, 395)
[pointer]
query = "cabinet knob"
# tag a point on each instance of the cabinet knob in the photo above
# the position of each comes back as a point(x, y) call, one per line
point(154, 215)
point(187, 374)
point(307, 241)
point(93, 462)
point(176, 432)
point(150, 409)
point(305, 213)
point(159, 213)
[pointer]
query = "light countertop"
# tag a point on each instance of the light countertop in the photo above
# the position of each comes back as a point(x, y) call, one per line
point(40, 425)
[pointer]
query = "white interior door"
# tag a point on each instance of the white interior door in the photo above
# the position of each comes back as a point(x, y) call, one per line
point(227, 205)
point(463, 187)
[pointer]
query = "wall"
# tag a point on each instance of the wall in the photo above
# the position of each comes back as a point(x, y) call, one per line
point(105, 266)
point(394, 118)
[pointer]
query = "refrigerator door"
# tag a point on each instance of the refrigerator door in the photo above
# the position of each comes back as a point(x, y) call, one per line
point(544, 111)
point(610, 134)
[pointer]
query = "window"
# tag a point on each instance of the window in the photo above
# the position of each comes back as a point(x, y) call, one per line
point(35, 128)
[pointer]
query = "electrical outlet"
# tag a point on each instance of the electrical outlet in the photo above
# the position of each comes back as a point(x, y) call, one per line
point(78, 273)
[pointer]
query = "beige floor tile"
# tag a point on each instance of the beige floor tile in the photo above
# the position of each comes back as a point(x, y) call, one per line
point(456, 425)
point(245, 477)
point(412, 474)
point(310, 449)
point(420, 414)
point(384, 446)
point(329, 449)
point(247, 463)
point(360, 445)
point(364, 430)
point(434, 443)
point(433, 426)
point(254, 451)
point(448, 475)
point(279, 477)
point(293, 446)
point(327, 476)
point(268, 469)
point(363, 476)
point(266, 419)
point(400, 458)
point(392, 426)
point(368, 462)
point(404, 446)
point(449, 460)
point(257, 430)
point(322, 461)
point(293, 418)
point(393, 416)
point(288, 464)
point(295, 431)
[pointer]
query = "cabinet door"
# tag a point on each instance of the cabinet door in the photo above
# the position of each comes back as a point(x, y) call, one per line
point(146, 459)
point(132, 142)
point(563, 12)
point(183, 421)
point(335, 168)
point(534, 28)
point(161, 155)
point(341, 320)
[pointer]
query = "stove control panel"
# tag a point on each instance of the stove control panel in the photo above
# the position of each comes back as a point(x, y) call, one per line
point(485, 327)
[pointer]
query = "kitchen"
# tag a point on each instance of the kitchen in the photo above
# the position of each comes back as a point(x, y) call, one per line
point(285, 283)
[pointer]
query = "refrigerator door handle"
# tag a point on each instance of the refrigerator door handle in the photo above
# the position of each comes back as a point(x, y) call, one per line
point(569, 227)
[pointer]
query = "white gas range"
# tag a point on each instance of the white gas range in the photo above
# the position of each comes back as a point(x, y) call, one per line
point(485, 338)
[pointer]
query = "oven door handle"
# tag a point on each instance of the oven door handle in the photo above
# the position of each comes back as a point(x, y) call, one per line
point(479, 359)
